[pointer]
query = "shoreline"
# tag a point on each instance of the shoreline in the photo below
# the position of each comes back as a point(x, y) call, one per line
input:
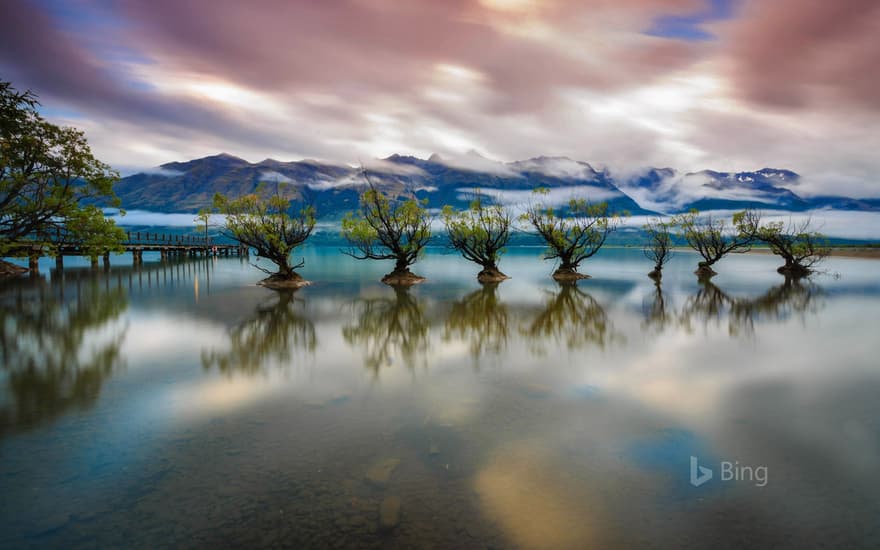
point(872, 253)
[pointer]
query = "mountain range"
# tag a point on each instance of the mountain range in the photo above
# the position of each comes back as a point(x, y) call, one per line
point(334, 188)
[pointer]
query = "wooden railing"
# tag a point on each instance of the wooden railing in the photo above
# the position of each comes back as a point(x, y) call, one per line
point(148, 237)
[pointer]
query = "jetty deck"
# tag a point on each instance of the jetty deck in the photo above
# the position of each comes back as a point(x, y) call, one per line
point(136, 242)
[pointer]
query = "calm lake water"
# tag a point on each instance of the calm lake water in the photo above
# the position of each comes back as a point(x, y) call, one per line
point(180, 405)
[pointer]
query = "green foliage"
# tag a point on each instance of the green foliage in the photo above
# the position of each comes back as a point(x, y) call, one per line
point(202, 221)
point(712, 237)
point(92, 232)
point(479, 233)
point(658, 249)
point(797, 243)
point(49, 181)
point(385, 229)
point(268, 222)
point(576, 237)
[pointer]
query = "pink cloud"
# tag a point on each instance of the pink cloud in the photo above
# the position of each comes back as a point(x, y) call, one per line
point(793, 53)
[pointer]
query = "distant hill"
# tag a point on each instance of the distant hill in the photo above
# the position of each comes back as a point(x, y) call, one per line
point(334, 188)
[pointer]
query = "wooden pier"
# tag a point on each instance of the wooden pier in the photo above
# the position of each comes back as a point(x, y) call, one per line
point(136, 242)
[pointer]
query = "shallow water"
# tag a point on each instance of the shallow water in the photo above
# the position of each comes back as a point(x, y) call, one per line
point(180, 405)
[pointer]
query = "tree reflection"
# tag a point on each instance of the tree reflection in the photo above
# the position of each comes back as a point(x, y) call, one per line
point(796, 296)
point(481, 320)
point(656, 313)
point(710, 303)
point(571, 318)
point(57, 350)
point(275, 331)
point(390, 329)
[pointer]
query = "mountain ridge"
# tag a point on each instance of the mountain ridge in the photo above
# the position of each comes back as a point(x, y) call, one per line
point(334, 188)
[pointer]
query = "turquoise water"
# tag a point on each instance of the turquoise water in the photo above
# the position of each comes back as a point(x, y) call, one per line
point(180, 405)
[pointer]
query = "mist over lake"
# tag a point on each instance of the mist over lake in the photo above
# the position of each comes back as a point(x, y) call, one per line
point(833, 223)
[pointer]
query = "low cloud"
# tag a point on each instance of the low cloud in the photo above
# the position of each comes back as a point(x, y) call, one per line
point(474, 162)
point(557, 167)
point(556, 196)
point(159, 171)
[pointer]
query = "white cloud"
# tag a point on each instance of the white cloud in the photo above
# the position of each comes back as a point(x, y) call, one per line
point(556, 196)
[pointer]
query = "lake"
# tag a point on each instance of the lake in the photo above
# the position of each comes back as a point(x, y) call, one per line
point(178, 404)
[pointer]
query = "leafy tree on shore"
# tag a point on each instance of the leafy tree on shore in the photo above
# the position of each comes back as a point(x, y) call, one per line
point(796, 242)
point(658, 249)
point(270, 223)
point(574, 238)
point(712, 238)
point(480, 235)
point(388, 229)
point(89, 230)
point(203, 222)
point(51, 186)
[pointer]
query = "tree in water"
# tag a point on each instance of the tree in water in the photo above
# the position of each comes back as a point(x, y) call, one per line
point(387, 229)
point(51, 186)
point(574, 238)
point(270, 223)
point(480, 234)
point(480, 319)
point(712, 238)
point(658, 249)
point(796, 242)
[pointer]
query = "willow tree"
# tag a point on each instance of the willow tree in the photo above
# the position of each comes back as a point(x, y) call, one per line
point(50, 183)
point(388, 229)
point(573, 238)
point(713, 238)
point(90, 232)
point(658, 249)
point(796, 242)
point(270, 223)
point(480, 235)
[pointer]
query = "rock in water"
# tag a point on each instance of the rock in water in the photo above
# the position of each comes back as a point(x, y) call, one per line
point(380, 472)
point(278, 281)
point(389, 513)
point(402, 278)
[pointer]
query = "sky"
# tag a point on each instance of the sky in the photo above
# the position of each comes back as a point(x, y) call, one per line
point(623, 84)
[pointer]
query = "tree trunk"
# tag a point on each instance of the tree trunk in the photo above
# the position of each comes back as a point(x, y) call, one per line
point(285, 278)
point(704, 271)
point(568, 272)
point(491, 274)
point(402, 276)
point(794, 270)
